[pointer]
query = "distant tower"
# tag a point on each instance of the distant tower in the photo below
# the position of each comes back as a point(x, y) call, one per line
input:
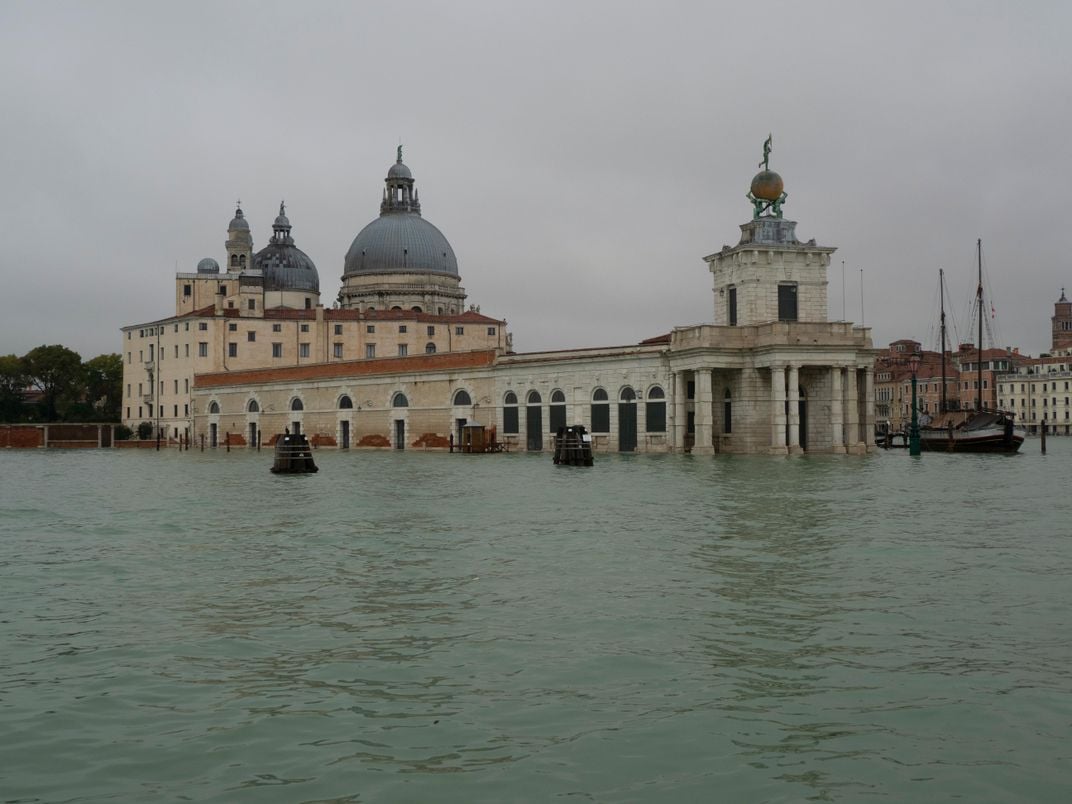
point(239, 243)
point(769, 275)
point(1062, 323)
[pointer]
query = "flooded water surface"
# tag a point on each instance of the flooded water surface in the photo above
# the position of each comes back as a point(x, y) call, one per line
point(431, 627)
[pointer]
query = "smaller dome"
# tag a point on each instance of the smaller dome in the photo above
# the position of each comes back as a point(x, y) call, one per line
point(208, 266)
point(281, 221)
point(238, 221)
point(767, 185)
point(399, 171)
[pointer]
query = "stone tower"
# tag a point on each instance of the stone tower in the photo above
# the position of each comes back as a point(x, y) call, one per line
point(239, 243)
point(769, 275)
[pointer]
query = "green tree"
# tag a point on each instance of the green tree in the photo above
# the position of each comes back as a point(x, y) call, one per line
point(13, 383)
point(56, 372)
point(104, 385)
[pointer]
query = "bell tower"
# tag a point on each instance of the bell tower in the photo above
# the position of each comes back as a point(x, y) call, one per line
point(1062, 323)
point(239, 242)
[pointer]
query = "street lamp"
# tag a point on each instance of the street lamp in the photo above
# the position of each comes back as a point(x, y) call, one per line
point(913, 432)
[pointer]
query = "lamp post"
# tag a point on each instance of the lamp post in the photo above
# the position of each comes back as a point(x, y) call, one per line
point(913, 431)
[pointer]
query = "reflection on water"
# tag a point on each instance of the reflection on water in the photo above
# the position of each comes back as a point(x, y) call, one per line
point(462, 628)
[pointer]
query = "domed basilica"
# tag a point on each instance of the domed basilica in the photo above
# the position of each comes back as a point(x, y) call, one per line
point(399, 362)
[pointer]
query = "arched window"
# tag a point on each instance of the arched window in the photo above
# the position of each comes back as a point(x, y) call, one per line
point(429, 348)
point(297, 404)
point(627, 395)
point(234, 260)
point(534, 398)
point(510, 420)
point(399, 401)
point(213, 407)
point(396, 307)
point(461, 398)
point(600, 411)
point(241, 260)
point(655, 411)
point(558, 411)
point(253, 407)
point(346, 403)
point(416, 309)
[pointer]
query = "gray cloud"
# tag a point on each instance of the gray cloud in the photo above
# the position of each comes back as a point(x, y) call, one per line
point(581, 158)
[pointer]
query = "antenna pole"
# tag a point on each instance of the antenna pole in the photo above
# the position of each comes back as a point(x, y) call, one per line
point(979, 352)
point(843, 290)
point(862, 318)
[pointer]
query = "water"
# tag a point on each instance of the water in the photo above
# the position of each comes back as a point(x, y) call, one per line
point(427, 627)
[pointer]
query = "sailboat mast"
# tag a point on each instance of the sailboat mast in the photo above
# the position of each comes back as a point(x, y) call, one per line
point(979, 352)
point(941, 304)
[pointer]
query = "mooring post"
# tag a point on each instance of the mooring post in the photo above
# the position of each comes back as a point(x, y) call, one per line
point(157, 439)
point(258, 440)
point(1044, 439)
point(227, 440)
point(202, 442)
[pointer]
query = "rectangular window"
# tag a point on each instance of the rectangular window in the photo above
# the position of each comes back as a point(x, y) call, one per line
point(403, 350)
point(690, 389)
point(232, 327)
point(370, 328)
point(402, 329)
point(186, 327)
point(303, 350)
point(733, 306)
point(787, 302)
point(202, 349)
point(186, 385)
point(338, 329)
point(176, 413)
point(252, 304)
point(337, 350)
point(176, 350)
point(251, 336)
point(186, 350)
point(176, 386)
point(128, 392)
point(232, 350)
point(510, 420)
point(370, 350)
point(186, 290)
point(139, 389)
point(655, 417)
point(600, 417)
point(304, 327)
point(128, 358)
point(431, 330)
point(459, 330)
point(139, 411)
point(277, 350)
point(223, 290)
point(202, 325)
point(491, 331)
point(186, 410)
point(128, 412)
point(277, 327)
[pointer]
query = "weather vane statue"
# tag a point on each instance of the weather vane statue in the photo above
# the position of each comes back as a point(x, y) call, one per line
point(767, 193)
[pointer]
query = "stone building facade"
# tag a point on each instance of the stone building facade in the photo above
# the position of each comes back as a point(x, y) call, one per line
point(770, 375)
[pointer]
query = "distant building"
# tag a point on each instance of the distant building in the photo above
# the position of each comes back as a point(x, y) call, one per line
point(402, 364)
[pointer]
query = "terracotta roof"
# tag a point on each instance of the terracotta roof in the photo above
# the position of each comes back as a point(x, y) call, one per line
point(350, 368)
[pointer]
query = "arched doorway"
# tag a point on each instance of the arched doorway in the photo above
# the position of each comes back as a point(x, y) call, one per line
point(627, 420)
point(534, 422)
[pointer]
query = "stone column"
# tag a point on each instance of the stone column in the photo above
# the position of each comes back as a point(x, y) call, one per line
point(703, 443)
point(681, 419)
point(793, 398)
point(777, 445)
point(869, 409)
point(837, 411)
point(852, 411)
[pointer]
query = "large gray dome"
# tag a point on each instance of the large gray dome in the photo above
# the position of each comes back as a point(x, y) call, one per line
point(400, 242)
point(284, 265)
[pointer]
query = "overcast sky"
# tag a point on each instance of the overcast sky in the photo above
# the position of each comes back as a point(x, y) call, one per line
point(581, 158)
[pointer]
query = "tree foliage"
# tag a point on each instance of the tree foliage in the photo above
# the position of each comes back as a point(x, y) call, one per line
point(56, 372)
point(104, 385)
point(13, 383)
